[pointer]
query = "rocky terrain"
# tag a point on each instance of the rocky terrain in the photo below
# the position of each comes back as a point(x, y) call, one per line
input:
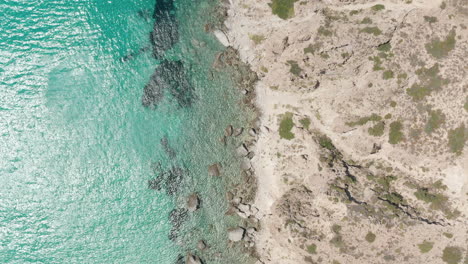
point(361, 150)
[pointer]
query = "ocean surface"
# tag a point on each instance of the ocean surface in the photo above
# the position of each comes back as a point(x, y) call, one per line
point(96, 159)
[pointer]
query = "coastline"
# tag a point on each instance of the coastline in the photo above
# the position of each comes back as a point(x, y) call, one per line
point(297, 170)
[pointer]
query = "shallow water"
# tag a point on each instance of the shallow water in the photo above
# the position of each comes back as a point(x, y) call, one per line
point(77, 146)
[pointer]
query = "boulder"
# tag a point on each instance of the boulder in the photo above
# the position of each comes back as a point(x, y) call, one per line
point(213, 169)
point(201, 245)
point(238, 131)
point(193, 202)
point(192, 259)
point(236, 234)
point(242, 150)
point(228, 131)
point(252, 132)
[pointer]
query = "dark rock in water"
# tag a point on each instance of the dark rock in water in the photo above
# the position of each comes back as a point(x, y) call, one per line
point(165, 32)
point(192, 259)
point(167, 149)
point(177, 217)
point(170, 180)
point(213, 170)
point(164, 36)
point(169, 76)
point(163, 7)
point(201, 245)
point(180, 260)
point(193, 202)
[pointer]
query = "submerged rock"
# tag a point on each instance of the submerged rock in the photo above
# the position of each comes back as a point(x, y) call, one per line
point(228, 131)
point(213, 170)
point(201, 245)
point(192, 259)
point(238, 131)
point(236, 234)
point(193, 202)
point(165, 32)
point(177, 217)
point(169, 77)
point(170, 180)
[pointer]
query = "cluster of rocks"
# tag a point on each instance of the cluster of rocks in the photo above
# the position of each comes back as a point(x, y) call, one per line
point(241, 234)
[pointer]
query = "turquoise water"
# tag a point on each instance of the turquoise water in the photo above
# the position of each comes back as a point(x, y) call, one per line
point(77, 147)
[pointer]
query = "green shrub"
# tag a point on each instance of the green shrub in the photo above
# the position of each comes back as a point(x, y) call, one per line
point(312, 48)
point(366, 20)
point(452, 255)
point(430, 19)
point(378, 7)
point(436, 200)
point(466, 104)
point(325, 32)
point(377, 130)
point(457, 138)
point(388, 74)
point(363, 120)
point(395, 135)
point(312, 249)
point(286, 124)
point(436, 119)
point(441, 48)
point(385, 47)
point(305, 122)
point(372, 30)
point(257, 39)
point(283, 8)
point(425, 246)
point(294, 67)
point(370, 237)
point(429, 81)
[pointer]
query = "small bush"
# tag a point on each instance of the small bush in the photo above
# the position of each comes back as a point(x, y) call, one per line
point(430, 19)
point(377, 130)
point(372, 30)
point(363, 120)
point(312, 249)
point(257, 39)
point(395, 135)
point(388, 74)
point(436, 119)
point(325, 32)
point(295, 69)
point(457, 138)
point(286, 125)
point(312, 48)
point(305, 122)
point(385, 47)
point(441, 48)
point(370, 237)
point(378, 7)
point(283, 8)
point(425, 246)
point(429, 81)
point(452, 255)
point(366, 20)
